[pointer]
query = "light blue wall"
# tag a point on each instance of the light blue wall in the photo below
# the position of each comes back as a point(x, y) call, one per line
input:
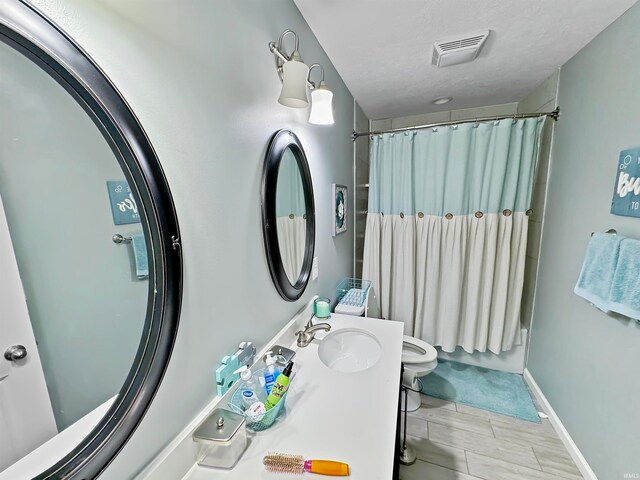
point(588, 363)
point(201, 79)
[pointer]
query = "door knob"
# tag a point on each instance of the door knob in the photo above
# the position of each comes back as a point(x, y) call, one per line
point(15, 352)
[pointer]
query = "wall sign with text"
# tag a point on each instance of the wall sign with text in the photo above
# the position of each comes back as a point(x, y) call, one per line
point(123, 206)
point(339, 197)
point(626, 192)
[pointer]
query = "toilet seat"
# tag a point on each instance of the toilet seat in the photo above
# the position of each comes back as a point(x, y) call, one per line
point(419, 359)
point(416, 351)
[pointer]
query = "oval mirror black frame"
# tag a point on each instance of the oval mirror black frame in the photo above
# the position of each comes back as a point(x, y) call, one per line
point(279, 142)
point(27, 30)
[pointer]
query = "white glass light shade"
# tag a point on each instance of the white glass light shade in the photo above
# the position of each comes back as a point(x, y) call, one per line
point(321, 106)
point(294, 83)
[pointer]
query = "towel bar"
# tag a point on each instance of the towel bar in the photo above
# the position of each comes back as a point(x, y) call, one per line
point(117, 238)
point(611, 231)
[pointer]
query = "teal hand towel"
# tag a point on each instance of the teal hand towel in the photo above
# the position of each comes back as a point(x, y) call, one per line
point(598, 269)
point(624, 296)
point(140, 254)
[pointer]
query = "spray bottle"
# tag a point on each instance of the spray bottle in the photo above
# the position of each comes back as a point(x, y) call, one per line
point(279, 388)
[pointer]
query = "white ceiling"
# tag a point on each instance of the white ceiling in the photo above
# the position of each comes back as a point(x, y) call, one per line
point(382, 48)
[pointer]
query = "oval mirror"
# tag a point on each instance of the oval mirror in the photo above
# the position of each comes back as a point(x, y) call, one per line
point(89, 258)
point(288, 214)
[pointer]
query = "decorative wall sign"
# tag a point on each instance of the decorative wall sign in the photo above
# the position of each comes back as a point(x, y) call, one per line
point(626, 191)
point(339, 197)
point(123, 206)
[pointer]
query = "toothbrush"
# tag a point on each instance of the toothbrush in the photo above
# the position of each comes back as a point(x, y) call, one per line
point(285, 463)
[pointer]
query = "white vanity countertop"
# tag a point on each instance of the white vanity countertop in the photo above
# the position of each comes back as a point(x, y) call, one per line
point(348, 417)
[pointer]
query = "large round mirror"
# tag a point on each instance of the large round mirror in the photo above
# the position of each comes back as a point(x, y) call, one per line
point(88, 305)
point(71, 297)
point(288, 214)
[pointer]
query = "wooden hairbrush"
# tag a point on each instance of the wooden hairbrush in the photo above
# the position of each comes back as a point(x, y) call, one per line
point(285, 463)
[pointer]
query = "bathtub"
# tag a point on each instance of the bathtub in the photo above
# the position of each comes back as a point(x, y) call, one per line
point(512, 361)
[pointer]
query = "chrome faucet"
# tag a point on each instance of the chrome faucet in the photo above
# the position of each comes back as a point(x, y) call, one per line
point(306, 336)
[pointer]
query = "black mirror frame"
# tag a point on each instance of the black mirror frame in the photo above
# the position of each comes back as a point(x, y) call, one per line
point(27, 30)
point(279, 142)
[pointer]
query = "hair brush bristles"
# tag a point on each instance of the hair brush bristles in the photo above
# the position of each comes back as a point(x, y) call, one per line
point(284, 463)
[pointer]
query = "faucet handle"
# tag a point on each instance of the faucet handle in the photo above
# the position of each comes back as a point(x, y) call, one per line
point(303, 338)
point(310, 322)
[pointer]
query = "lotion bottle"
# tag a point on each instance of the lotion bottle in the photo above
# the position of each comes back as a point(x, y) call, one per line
point(251, 390)
point(271, 372)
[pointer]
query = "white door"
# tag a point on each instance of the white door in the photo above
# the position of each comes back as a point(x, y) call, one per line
point(26, 416)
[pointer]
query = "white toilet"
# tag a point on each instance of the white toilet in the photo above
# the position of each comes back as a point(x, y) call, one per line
point(418, 356)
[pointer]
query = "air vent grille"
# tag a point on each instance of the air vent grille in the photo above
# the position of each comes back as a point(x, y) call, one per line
point(460, 49)
point(465, 42)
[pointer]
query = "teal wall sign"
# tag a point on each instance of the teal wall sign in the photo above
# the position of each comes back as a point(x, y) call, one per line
point(339, 196)
point(626, 191)
point(123, 206)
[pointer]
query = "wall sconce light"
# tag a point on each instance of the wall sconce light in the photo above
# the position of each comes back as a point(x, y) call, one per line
point(321, 101)
point(294, 74)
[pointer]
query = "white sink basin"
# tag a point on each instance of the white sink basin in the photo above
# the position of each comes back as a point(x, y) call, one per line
point(349, 350)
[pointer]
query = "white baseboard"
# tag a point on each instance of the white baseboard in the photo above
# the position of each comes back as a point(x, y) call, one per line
point(572, 448)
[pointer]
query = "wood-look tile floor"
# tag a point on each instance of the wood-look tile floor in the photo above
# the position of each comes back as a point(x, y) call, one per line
point(454, 441)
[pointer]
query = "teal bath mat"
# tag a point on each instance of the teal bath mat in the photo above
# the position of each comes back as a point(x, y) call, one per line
point(499, 392)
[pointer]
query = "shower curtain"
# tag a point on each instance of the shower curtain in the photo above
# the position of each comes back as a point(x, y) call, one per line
point(446, 231)
point(291, 219)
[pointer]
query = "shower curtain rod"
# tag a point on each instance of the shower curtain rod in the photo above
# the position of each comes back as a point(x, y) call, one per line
point(555, 114)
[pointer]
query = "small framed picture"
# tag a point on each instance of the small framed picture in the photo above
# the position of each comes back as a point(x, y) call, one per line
point(123, 206)
point(626, 191)
point(339, 197)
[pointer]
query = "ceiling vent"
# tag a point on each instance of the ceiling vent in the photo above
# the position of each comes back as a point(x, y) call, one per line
point(459, 49)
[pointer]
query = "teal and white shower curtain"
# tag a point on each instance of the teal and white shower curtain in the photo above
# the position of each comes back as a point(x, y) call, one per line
point(290, 213)
point(446, 231)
